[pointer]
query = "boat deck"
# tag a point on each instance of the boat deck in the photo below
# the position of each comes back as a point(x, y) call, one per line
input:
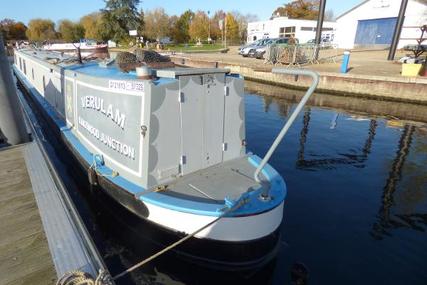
point(230, 179)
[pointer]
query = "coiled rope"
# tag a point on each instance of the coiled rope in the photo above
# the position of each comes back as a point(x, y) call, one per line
point(78, 277)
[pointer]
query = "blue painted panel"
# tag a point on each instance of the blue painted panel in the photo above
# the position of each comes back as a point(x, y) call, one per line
point(375, 31)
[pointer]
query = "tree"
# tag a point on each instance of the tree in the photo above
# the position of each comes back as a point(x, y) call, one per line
point(92, 25)
point(199, 26)
point(299, 9)
point(12, 30)
point(232, 28)
point(156, 24)
point(329, 15)
point(41, 30)
point(180, 31)
point(141, 25)
point(120, 16)
point(70, 32)
point(216, 32)
point(242, 21)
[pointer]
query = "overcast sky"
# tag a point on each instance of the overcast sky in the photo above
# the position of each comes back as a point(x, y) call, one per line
point(24, 10)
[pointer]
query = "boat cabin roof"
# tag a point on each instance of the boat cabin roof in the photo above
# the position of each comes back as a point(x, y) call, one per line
point(93, 67)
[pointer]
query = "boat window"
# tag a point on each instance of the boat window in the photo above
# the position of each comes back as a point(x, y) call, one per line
point(25, 67)
point(44, 84)
point(32, 72)
point(20, 63)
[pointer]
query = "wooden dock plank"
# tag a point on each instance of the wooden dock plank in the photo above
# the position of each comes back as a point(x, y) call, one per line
point(24, 251)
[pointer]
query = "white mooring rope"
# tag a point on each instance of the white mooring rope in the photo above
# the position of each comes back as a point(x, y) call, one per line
point(83, 278)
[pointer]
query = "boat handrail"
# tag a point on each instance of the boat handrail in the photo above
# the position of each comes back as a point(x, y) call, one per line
point(305, 72)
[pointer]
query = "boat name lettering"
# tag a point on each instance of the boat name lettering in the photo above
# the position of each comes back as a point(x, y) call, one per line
point(96, 103)
point(107, 140)
point(126, 85)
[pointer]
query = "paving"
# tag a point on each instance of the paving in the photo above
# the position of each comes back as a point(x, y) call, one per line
point(362, 62)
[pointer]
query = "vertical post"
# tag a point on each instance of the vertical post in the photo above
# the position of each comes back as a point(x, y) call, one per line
point(225, 30)
point(209, 27)
point(397, 30)
point(345, 62)
point(319, 26)
point(12, 122)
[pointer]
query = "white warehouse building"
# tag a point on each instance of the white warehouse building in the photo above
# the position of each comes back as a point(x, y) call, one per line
point(280, 27)
point(372, 23)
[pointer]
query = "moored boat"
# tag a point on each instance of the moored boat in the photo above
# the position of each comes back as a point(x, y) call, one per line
point(171, 150)
point(87, 48)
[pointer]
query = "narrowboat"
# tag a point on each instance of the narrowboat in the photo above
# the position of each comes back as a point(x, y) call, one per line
point(170, 149)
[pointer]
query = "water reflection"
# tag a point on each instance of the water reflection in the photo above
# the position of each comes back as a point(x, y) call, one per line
point(355, 159)
point(386, 219)
point(408, 111)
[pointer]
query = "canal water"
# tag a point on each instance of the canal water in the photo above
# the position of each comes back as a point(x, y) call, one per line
point(356, 210)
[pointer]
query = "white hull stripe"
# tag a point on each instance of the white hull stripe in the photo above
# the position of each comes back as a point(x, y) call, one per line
point(226, 229)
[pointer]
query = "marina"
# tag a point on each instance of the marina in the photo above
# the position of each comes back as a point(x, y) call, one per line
point(172, 146)
point(306, 158)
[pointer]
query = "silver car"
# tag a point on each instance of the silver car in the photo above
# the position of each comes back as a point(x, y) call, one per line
point(244, 51)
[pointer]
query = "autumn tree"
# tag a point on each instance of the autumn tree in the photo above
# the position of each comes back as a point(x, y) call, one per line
point(70, 31)
point(199, 26)
point(41, 30)
point(242, 21)
point(216, 33)
point(120, 16)
point(181, 29)
point(156, 24)
point(92, 25)
point(299, 9)
point(12, 30)
point(232, 28)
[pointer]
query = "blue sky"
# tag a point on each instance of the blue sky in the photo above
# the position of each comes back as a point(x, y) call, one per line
point(24, 10)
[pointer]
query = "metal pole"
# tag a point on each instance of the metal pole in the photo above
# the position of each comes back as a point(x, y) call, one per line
point(397, 30)
point(290, 121)
point(12, 123)
point(225, 29)
point(209, 27)
point(319, 26)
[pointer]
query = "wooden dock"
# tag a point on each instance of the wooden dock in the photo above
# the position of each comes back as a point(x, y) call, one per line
point(24, 251)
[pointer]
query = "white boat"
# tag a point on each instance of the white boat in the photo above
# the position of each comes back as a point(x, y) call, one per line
point(87, 48)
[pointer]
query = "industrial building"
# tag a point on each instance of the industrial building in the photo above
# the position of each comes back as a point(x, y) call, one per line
point(372, 22)
point(279, 27)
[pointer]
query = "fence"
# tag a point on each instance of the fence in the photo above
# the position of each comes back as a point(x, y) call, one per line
point(299, 54)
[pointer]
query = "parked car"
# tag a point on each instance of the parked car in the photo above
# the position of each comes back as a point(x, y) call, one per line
point(244, 51)
point(323, 42)
point(260, 51)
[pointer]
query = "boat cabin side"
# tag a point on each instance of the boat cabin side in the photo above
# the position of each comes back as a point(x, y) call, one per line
point(148, 131)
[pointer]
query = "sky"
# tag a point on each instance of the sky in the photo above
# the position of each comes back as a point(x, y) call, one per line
point(24, 10)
